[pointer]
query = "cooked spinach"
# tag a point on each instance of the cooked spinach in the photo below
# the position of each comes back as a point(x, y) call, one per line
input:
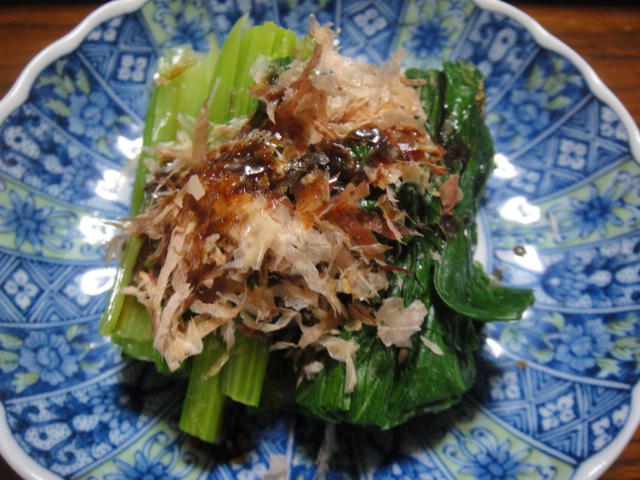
point(394, 384)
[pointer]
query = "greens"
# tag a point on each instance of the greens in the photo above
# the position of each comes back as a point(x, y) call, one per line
point(346, 371)
point(457, 292)
point(219, 78)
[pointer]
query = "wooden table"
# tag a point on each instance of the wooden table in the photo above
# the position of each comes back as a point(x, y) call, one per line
point(608, 37)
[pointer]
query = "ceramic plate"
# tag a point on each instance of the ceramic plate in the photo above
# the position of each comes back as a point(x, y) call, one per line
point(557, 393)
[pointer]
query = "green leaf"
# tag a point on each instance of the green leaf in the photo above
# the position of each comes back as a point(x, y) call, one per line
point(10, 342)
point(536, 78)
point(558, 102)
point(622, 326)
point(608, 365)
point(461, 283)
point(92, 367)
point(375, 369)
point(73, 331)
point(389, 392)
point(625, 348)
point(431, 98)
point(58, 106)
point(8, 361)
point(60, 64)
point(124, 119)
point(22, 381)
point(43, 81)
point(464, 286)
point(67, 85)
point(556, 319)
point(82, 81)
point(464, 100)
point(103, 146)
point(542, 355)
point(555, 84)
point(428, 382)
point(512, 336)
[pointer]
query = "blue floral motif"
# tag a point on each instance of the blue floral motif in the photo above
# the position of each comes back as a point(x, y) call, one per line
point(31, 286)
point(37, 360)
point(132, 54)
point(107, 32)
point(606, 428)
point(433, 32)
point(611, 126)
point(531, 110)
point(170, 462)
point(297, 19)
point(182, 29)
point(573, 154)
point(66, 432)
point(227, 12)
point(33, 151)
point(17, 138)
point(133, 68)
point(567, 416)
point(583, 218)
point(427, 39)
point(49, 356)
point(600, 346)
point(91, 115)
point(499, 47)
point(582, 344)
point(557, 412)
point(68, 93)
point(101, 417)
point(607, 206)
point(601, 276)
point(142, 468)
point(535, 102)
point(40, 227)
point(400, 453)
point(505, 386)
point(481, 456)
point(594, 282)
point(21, 289)
point(370, 21)
point(73, 290)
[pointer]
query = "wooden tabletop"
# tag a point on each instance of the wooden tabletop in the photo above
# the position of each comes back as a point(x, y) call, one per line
point(606, 34)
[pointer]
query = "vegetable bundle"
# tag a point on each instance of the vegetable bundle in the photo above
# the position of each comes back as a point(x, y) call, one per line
point(302, 233)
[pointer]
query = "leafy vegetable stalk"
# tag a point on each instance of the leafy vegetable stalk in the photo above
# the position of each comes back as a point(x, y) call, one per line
point(220, 78)
point(436, 266)
point(396, 384)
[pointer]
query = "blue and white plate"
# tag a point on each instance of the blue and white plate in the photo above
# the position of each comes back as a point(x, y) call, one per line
point(557, 395)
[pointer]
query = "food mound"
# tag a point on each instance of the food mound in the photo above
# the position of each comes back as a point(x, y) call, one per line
point(311, 247)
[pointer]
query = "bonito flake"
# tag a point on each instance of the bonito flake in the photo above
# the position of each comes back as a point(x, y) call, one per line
point(262, 227)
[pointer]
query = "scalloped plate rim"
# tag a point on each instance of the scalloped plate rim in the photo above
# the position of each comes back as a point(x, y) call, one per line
point(592, 467)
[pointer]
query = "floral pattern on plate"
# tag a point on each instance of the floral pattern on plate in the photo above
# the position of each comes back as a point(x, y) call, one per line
point(560, 215)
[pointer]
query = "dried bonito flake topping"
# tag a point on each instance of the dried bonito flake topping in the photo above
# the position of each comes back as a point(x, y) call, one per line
point(260, 224)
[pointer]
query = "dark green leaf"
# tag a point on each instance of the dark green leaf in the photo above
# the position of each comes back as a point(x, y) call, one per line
point(463, 286)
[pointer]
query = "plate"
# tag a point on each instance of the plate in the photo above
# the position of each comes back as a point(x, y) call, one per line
point(557, 395)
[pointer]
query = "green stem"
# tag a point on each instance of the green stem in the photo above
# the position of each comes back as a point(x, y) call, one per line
point(124, 274)
point(243, 374)
point(135, 335)
point(204, 405)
